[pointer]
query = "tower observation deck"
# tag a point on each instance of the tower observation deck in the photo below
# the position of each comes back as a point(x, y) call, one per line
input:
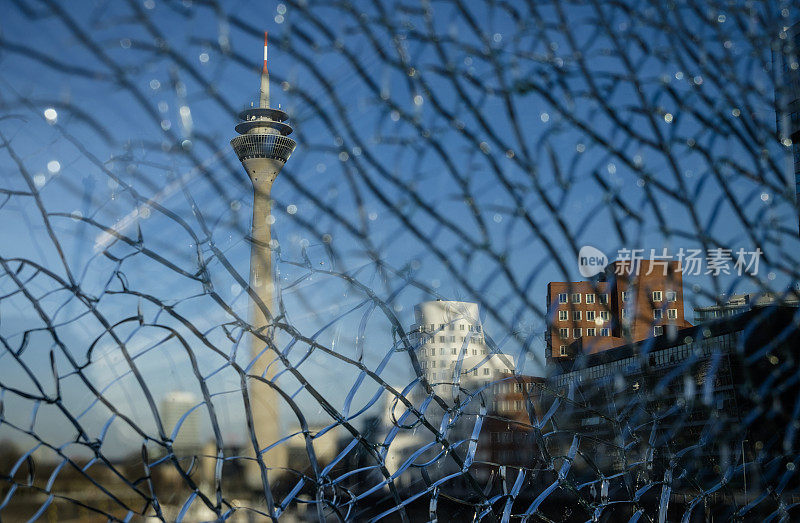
point(263, 133)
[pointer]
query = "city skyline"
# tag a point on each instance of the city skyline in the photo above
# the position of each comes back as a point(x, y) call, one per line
point(467, 182)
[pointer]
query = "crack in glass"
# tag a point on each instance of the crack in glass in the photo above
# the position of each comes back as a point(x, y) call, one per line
point(449, 161)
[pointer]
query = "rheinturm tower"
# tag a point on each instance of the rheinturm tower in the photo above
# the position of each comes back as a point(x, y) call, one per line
point(263, 146)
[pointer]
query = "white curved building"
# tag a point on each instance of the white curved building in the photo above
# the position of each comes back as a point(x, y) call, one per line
point(451, 344)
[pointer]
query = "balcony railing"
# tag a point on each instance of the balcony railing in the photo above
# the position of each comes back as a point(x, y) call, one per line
point(263, 146)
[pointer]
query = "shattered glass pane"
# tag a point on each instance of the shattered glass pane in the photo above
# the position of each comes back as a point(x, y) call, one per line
point(440, 260)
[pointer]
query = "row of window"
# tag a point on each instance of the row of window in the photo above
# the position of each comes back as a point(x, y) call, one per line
point(577, 315)
point(451, 339)
point(576, 298)
point(507, 387)
point(658, 314)
point(578, 332)
point(453, 351)
point(603, 298)
point(486, 371)
point(461, 326)
point(656, 295)
point(672, 314)
point(508, 436)
point(506, 406)
point(425, 364)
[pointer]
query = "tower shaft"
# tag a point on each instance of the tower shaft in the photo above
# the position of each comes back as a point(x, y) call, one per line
point(264, 400)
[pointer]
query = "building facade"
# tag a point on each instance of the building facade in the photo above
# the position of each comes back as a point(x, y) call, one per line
point(738, 303)
point(451, 344)
point(701, 404)
point(461, 371)
point(631, 301)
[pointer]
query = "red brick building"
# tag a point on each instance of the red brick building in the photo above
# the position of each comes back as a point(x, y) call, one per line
point(630, 301)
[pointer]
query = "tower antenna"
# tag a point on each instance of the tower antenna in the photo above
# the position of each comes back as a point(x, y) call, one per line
point(264, 99)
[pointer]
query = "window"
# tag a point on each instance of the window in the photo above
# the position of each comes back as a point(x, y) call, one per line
point(474, 352)
point(453, 351)
point(576, 297)
point(658, 330)
point(591, 332)
point(562, 298)
point(590, 315)
point(485, 371)
point(604, 315)
point(462, 339)
point(625, 295)
point(441, 351)
point(603, 298)
point(563, 316)
point(452, 327)
point(518, 404)
point(432, 327)
point(563, 333)
point(658, 314)
point(576, 315)
point(461, 326)
point(433, 364)
point(672, 296)
point(656, 295)
point(590, 298)
point(452, 339)
point(485, 351)
point(672, 314)
point(441, 339)
point(576, 333)
point(603, 332)
point(562, 350)
point(441, 326)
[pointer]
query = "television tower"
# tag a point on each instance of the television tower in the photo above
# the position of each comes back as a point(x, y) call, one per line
point(263, 146)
